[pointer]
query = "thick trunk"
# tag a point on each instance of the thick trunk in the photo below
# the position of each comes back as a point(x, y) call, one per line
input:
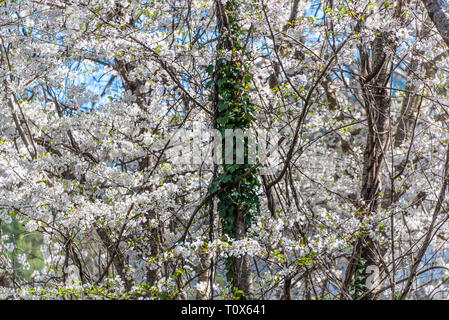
point(5, 279)
point(439, 14)
point(242, 265)
point(237, 205)
point(377, 105)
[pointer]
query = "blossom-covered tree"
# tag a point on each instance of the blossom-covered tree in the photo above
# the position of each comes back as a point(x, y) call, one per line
point(102, 197)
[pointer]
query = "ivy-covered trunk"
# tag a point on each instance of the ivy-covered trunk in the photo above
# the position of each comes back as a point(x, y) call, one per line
point(238, 199)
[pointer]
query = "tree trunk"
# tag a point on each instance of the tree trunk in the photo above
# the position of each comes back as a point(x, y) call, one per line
point(242, 265)
point(239, 203)
point(377, 104)
point(439, 14)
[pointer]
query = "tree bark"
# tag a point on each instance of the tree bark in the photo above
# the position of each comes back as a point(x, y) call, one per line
point(377, 104)
point(439, 14)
